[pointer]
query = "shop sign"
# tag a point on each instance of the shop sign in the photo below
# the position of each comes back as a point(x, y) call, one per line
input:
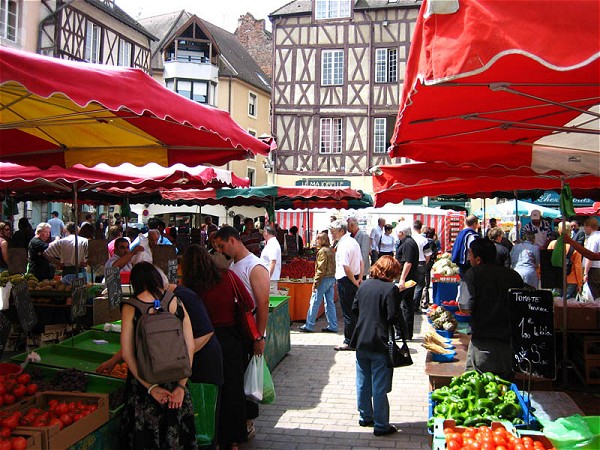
point(323, 182)
point(552, 199)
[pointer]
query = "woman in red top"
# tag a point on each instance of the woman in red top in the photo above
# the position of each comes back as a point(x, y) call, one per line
point(215, 289)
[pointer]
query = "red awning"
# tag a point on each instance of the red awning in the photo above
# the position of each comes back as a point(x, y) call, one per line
point(61, 113)
point(488, 83)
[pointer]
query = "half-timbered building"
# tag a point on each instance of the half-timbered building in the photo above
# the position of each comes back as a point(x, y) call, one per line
point(338, 68)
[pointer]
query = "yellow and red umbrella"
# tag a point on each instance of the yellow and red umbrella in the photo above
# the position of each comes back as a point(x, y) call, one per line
point(61, 113)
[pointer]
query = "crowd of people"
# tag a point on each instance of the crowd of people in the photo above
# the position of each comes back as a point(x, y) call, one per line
point(382, 281)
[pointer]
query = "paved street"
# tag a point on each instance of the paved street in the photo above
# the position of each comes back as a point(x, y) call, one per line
point(316, 399)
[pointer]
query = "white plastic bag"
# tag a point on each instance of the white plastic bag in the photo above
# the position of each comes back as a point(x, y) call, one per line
point(253, 379)
point(587, 293)
point(146, 255)
point(5, 295)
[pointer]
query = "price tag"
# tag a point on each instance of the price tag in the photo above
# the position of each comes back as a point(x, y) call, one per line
point(112, 279)
point(532, 329)
point(79, 298)
point(25, 311)
point(172, 270)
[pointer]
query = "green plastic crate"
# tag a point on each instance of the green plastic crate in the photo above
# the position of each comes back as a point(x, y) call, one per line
point(85, 341)
point(67, 357)
point(276, 300)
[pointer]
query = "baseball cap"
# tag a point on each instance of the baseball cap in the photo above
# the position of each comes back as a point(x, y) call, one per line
point(536, 215)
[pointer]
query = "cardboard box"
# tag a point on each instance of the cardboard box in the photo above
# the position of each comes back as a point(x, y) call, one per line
point(580, 316)
point(53, 438)
point(34, 438)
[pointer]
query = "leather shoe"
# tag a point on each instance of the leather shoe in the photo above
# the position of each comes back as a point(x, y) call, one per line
point(389, 430)
point(343, 347)
point(328, 330)
point(366, 423)
point(303, 329)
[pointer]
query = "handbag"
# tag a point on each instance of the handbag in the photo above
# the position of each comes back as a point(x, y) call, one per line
point(244, 316)
point(397, 357)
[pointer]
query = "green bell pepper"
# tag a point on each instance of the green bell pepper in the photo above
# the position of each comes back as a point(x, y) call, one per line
point(485, 404)
point(487, 377)
point(439, 395)
point(507, 410)
point(495, 398)
point(473, 421)
point(492, 386)
point(510, 396)
point(501, 381)
point(442, 409)
point(477, 388)
point(463, 391)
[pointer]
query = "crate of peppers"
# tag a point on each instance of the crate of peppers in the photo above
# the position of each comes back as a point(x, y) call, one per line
point(476, 399)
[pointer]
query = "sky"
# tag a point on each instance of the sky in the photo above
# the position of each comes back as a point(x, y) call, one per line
point(223, 13)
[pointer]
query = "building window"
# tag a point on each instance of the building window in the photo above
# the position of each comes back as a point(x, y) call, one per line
point(332, 9)
point(8, 20)
point(251, 175)
point(331, 136)
point(386, 65)
point(124, 53)
point(383, 129)
point(252, 103)
point(332, 72)
point(194, 90)
point(92, 42)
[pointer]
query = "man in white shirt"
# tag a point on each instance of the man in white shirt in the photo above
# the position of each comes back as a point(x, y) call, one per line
point(423, 259)
point(122, 256)
point(591, 269)
point(61, 252)
point(376, 234)
point(349, 269)
point(271, 255)
point(57, 226)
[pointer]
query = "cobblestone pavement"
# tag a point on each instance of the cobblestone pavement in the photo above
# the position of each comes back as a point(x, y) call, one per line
point(316, 399)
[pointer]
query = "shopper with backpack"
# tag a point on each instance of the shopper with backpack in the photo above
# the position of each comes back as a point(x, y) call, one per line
point(158, 410)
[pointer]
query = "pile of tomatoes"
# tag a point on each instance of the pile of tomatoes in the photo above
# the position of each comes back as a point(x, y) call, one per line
point(8, 422)
point(484, 438)
point(298, 268)
point(450, 303)
point(58, 413)
point(15, 386)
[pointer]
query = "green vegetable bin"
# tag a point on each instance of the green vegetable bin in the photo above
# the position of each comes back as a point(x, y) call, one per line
point(90, 340)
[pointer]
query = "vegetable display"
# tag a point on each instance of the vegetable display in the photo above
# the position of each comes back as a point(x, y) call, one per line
point(486, 438)
point(58, 413)
point(444, 265)
point(475, 399)
point(436, 344)
point(298, 268)
point(442, 319)
point(14, 386)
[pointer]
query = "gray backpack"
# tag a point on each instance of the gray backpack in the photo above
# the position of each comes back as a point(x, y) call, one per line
point(161, 353)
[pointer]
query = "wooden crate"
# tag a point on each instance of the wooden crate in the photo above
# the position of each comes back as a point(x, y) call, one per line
point(590, 369)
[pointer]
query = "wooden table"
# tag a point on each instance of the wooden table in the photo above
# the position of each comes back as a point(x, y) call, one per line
point(440, 374)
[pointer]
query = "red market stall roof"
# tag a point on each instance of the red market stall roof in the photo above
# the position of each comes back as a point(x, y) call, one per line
point(62, 113)
point(103, 180)
point(395, 183)
point(487, 82)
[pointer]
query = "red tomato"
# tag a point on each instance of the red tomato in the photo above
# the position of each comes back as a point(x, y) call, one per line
point(2, 388)
point(5, 432)
point(453, 445)
point(24, 378)
point(19, 443)
point(9, 399)
point(5, 445)
point(10, 422)
point(66, 419)
point(39, 423)
point(55, 421)
point(31, 388)
point(61, 408)
point(71, 406)
point(19, 391)
point(77, 417)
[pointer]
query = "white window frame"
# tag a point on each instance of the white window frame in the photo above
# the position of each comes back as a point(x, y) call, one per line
point(125, 49)
point(9, 19)
point(330, 135)
point(177, 86)
point(332, 67)
point(251, 175)
point(92, 42)
point(379, 134)
point(252, 104)
point(332, 9)
point(386, 65)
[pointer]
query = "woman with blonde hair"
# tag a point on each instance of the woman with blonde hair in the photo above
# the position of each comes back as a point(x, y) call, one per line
point(322, 287)
point(376, 306)
point(575, 275)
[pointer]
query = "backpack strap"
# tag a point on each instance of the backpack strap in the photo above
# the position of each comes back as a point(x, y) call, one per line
point(165, 301)
point(140, 306)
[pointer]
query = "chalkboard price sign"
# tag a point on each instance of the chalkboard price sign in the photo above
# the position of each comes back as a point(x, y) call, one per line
point(79, 298)
point(25, 311)
point(532, 329)
point(172, 271)
point(5, 326)
point(112, 279)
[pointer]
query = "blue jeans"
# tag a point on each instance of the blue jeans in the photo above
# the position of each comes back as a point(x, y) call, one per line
point(325, 288)
point(373, 382)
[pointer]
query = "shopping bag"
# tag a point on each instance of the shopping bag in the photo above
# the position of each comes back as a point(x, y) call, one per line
point(268, 386)
point(204, 401)
point(254, 379)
